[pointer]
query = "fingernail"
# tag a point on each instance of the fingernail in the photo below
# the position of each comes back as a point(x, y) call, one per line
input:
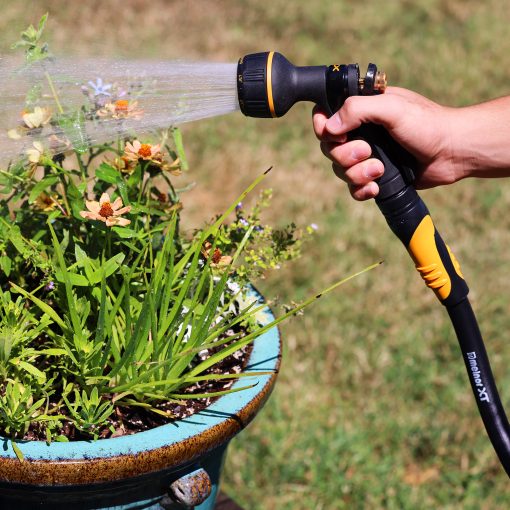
point(334, 124)
point(360, 153)
point(372, 170)
point(371, 190)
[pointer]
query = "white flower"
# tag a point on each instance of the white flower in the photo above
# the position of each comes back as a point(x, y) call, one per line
point(233, 287)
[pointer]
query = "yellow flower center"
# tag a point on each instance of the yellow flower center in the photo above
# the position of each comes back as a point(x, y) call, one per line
point(106, 210)
point(121, 105)
point(145, 150)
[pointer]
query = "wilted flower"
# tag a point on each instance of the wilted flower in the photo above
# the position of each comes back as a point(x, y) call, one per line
point(217, 259)
point(174, 167)
point(46, 202)
point(166, 203)
point(30, 120)
point(107, 212)
point(38, 118)
point(35, 153)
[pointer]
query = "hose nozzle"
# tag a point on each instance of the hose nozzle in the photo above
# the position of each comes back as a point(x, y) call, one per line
point(268, 84)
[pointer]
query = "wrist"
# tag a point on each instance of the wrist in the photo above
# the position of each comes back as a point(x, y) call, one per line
point(479, 144)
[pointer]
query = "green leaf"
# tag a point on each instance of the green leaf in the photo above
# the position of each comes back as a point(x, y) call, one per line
point(75, 279)
point(180, 396)
point(122, 188)
point(125, 233)
point(17, 451)
point(53, 352)
point(73, 125)
point(5, 264)
point(71, 304)
point(41, 304)
point(75, 197)
point(29, 368)
point(107, 269)
point(179, 148)
point(42, 23)
point(107, 173)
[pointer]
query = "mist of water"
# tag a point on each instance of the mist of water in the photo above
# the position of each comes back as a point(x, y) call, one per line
point(92, 101)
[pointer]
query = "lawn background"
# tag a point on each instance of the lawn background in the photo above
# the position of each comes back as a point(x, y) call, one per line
point(373, 408)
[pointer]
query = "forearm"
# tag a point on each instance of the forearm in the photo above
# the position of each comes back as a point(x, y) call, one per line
point(480, 139)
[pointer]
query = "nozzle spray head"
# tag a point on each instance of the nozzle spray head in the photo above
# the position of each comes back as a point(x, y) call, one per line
point(268, 84)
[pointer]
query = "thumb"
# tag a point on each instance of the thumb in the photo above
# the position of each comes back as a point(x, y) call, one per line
point(385, 109)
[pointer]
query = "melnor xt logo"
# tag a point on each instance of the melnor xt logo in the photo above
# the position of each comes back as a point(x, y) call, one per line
point(477, 377)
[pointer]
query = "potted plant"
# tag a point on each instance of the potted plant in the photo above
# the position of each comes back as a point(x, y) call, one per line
point(131, 352)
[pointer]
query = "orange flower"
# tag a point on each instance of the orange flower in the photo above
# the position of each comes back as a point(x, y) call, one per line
point(121, 105)
point(106, 212)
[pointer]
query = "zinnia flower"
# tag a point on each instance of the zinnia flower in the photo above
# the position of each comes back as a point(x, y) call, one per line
point(136, 151)
point(121, 109)
point(107, 212)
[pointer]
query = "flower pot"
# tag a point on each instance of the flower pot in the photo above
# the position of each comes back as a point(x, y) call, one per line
point(174, 466)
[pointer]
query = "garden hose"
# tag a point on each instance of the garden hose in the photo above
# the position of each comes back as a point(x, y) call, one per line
point(268, 85)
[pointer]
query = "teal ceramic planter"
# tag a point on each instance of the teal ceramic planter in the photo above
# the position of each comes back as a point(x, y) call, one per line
point(137, 471)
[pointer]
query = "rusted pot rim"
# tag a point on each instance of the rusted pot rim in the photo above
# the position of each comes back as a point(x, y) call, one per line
point(172, 445)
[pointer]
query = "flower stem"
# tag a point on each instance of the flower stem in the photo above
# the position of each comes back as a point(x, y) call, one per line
point(54, 92)
point(82, 167)
point(64, 194)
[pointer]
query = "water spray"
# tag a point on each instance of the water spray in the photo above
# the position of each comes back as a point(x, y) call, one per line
point(268, 85)
point(98, 100)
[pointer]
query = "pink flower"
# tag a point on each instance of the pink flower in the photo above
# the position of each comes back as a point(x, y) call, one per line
point(106, 212)
point(136, 150)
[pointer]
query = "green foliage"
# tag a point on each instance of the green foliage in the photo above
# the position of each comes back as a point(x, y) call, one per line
point(104, 302)
point(18, 409)
point(88, 411)
point(30, 42)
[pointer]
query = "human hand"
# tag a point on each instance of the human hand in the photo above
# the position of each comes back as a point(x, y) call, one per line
point(418, 124)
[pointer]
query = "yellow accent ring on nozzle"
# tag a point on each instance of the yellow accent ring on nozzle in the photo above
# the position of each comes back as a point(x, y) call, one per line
point(269, 84)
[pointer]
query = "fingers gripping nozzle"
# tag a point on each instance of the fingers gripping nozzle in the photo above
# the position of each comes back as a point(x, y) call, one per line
point(268, 85)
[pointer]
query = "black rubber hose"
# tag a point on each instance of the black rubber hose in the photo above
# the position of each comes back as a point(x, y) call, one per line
point(481, 379)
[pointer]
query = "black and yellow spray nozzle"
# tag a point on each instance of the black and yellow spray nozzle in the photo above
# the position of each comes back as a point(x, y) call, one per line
point(268, 84)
